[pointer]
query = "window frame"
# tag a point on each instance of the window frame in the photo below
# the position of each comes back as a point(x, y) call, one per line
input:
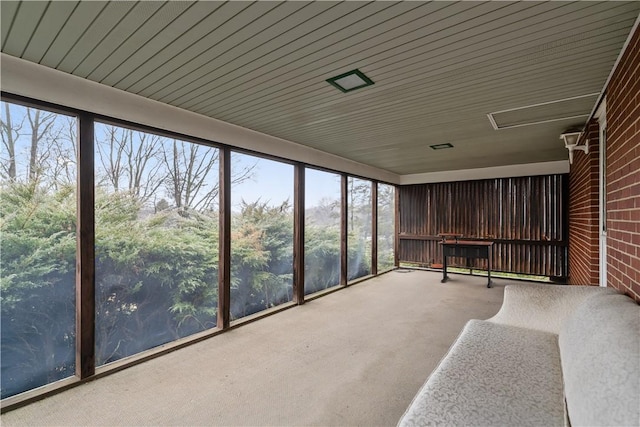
point(85, 245)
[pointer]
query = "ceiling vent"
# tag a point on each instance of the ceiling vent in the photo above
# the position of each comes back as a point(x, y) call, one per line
point(577, 107)
point(441, 146)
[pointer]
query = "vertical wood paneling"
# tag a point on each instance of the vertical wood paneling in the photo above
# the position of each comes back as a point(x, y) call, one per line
point(525, 216)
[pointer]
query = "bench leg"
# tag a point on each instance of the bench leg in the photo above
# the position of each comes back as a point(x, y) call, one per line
point(444, 270)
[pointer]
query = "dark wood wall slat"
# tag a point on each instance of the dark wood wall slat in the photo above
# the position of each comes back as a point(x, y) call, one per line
point(524, 216)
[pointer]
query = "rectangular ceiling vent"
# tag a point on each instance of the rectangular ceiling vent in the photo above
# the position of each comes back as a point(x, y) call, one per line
point(441, 146)
point(577, 107)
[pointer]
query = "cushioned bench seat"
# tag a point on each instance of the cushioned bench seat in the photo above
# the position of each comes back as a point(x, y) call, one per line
point(494, 375)
point(552, 356)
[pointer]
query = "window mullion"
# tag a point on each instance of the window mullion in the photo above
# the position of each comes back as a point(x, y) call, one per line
point(85, 243)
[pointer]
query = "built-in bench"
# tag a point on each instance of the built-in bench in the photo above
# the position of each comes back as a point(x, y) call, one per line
point(553, 355)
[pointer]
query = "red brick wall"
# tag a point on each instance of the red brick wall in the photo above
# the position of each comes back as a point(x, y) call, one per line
point(584, 213)
point(623, 173)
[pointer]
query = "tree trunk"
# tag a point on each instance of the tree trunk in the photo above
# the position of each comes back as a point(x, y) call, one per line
point(33, 153)
point(177, 191)
point(10, 144)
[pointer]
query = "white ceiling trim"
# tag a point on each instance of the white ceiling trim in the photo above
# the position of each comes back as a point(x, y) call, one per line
point(510, 171)
point(35, 81)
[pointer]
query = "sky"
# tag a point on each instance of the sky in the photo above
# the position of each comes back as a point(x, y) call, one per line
point(271, 181)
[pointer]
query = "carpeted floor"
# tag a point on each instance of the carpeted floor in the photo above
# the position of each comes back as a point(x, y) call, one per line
point(353, 357)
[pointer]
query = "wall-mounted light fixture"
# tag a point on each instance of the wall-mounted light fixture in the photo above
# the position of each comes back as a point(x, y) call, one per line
point(571, 139)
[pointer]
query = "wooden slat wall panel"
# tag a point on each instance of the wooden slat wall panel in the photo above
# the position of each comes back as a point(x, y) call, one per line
point(524, 216)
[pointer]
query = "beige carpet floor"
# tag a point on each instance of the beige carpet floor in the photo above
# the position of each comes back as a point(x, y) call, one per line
point(355, 357)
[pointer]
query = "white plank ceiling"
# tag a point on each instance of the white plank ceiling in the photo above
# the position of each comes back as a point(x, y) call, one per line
point(439, 68)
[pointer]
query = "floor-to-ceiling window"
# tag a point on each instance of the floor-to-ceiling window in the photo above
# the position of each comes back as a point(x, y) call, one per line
point(156, 234)
point(386, 226)
point(38, 171)
point(261, 234)
point(322, 230)
point(359, 230)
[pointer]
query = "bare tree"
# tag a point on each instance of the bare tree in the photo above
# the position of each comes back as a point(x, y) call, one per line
point(62, 167)
point(190, 180)
point(10, 133)
point(41, 123)
point(144, 167)
point(142, 163)
point(131, 161)
point(110, 153)
point(44, 149)
point(359, 204)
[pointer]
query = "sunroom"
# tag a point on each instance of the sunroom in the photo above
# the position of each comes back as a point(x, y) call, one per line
point(178, 174)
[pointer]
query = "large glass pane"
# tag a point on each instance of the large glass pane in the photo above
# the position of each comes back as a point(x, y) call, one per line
point(261, 234)
point(321, 230)
point(386, 226)
point(38, 256)
point(156, 240)
point(359, 228)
